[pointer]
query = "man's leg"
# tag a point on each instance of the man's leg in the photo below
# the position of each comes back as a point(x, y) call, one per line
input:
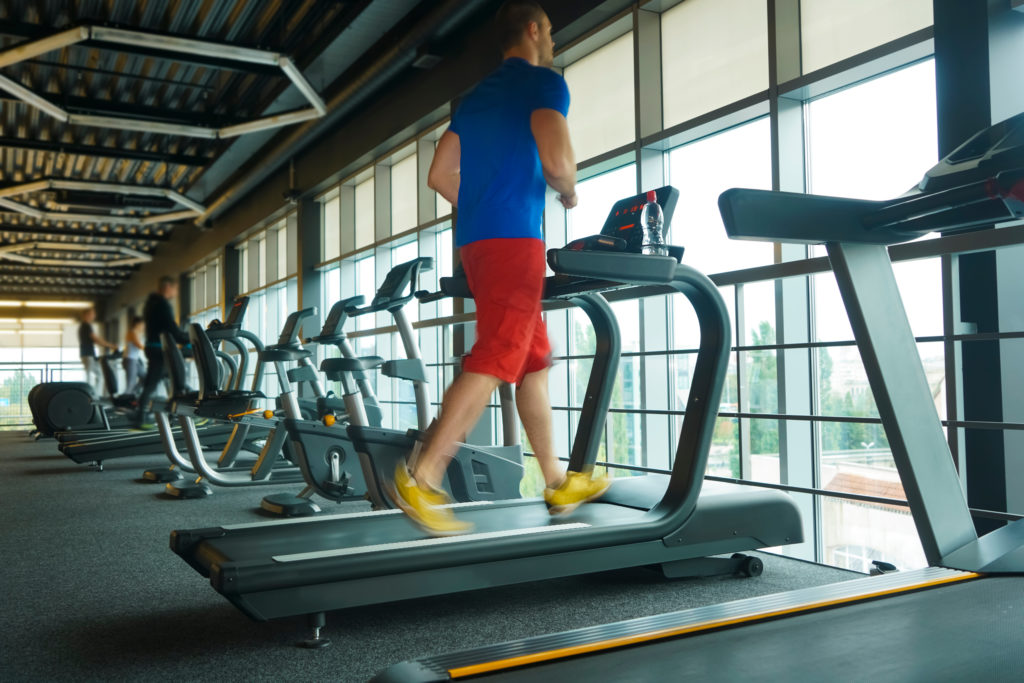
point(91, 366)
point(134, 371)
point(463, 404)
point(154, 373)
point(534, 406)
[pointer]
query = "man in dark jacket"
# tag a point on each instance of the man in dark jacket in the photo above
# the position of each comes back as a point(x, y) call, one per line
point(159, 318)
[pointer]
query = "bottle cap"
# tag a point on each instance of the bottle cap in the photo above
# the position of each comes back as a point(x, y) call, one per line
point(652, 196)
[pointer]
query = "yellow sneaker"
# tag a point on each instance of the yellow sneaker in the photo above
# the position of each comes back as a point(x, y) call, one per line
point(425, 508)
point(577, 489)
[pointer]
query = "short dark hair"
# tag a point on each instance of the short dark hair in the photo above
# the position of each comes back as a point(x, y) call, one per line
point(513, 18)
point(167, 281)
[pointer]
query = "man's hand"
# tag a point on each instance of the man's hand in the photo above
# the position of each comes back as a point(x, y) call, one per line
point(569, 201)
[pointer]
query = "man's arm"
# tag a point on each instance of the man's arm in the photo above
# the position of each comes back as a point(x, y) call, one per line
point(97, 339)
point(551, 132)
point(444, 174)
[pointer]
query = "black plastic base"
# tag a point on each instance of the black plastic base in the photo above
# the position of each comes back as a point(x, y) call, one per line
point(162, 476)
point(314, 643)
point(738, 564)
point(187, 489)
point(286, 505)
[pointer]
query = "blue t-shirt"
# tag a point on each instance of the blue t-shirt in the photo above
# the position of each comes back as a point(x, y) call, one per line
point(501, 188)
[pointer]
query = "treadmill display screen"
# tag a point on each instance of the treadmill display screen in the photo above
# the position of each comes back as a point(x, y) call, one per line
point(238, 310)
point(624, 218)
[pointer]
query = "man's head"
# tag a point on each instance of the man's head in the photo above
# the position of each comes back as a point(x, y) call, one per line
point(524, 30)
point(168, 287)
point(89, 315)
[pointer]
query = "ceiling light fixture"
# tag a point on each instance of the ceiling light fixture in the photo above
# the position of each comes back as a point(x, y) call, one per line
point(171, 45)
point(56, 304)
point(189, 207)
point(21, 253)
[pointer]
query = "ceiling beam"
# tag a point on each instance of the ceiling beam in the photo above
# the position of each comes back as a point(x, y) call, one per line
point(188, 59)
point(8, 142)
point(82, 292)
point(30, 31)
point(27, 230)
point(115, 277)
point(74, 104)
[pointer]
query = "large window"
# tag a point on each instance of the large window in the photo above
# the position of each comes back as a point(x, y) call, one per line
point(702, 170)
point(596, 197)
point(872, 141)
point(714, 52)
point(268, 266)
point(204, 292)
point(365, 228)
point(601, 115)
point(331, 247)
point(832, 30)
point(876, 139)
point(403, 194)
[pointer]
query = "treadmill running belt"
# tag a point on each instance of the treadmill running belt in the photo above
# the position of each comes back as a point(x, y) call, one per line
point(964, 631)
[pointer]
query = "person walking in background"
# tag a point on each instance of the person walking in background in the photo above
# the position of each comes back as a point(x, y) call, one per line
point(132, 361)
point(88, 340)
point(158, 317)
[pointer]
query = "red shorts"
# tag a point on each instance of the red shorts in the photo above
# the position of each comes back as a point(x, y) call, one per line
point(507, 280)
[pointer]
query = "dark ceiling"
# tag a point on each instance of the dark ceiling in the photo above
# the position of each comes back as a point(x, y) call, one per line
point(341, 47)
point(142, 83)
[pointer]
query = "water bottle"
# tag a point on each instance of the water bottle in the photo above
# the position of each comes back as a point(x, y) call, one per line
point(652, 221)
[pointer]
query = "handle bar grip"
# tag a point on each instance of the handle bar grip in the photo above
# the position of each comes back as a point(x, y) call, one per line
point(426, 297)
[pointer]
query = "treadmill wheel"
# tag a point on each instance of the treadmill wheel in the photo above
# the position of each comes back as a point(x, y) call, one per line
point(749, 566)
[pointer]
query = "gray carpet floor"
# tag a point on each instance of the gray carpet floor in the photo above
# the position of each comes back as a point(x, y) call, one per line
point(91, 591)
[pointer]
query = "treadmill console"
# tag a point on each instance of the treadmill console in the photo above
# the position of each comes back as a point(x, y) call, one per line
point(223, 330)
point(623, 219)
point(237, 313)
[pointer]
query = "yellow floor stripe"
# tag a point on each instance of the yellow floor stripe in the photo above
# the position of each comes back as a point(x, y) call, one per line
point(660, 634)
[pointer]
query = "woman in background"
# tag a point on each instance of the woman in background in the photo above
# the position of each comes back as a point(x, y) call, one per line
point(132, 362)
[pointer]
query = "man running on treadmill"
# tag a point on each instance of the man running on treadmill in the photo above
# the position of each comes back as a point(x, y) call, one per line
point(506, 142)
point(159, 318)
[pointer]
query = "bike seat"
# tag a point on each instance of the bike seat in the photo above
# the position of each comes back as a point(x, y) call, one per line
point(278, 354)
point(224, 403)
point(335, 368)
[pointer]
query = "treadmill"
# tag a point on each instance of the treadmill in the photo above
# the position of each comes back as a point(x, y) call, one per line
point(897, 626)
point(286, 568)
